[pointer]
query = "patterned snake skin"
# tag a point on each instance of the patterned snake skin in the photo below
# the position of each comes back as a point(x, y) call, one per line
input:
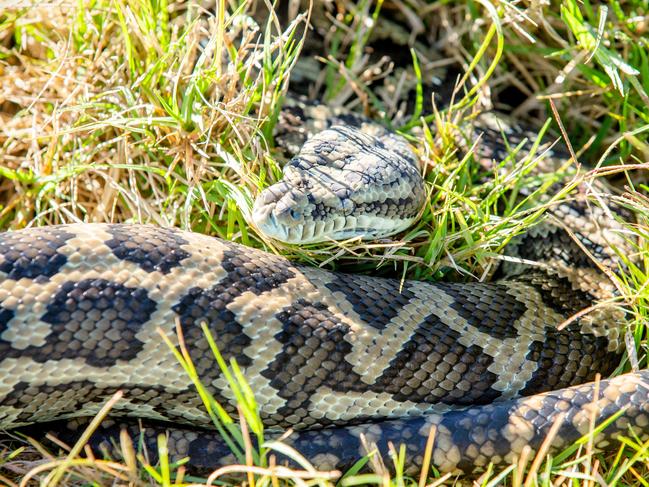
point(331, 355)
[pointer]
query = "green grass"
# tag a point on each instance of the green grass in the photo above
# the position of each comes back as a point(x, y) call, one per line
point(112, 110)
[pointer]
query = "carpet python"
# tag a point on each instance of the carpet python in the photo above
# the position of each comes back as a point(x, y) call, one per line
point(339, 358)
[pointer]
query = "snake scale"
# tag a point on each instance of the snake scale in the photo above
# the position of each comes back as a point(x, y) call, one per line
point(337, 357)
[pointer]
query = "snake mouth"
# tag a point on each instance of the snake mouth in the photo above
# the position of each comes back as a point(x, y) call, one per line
point(267, 223)
point(339, 228)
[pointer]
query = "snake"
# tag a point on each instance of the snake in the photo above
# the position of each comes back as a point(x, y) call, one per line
point(472, 372)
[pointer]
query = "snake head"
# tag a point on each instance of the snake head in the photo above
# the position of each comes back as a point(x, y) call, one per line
point(344, 183)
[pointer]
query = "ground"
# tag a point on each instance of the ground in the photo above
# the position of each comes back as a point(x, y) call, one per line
point(163, 112)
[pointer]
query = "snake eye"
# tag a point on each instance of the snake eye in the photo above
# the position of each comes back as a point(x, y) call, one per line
point(294, 214)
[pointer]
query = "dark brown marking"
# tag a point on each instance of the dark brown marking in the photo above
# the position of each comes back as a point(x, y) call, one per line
point(376, 301)
point(489, 308)
point(559, 245)
point(94, 320)
point(313, 355)
point(246, 272)
point(557, 293)
point(33, 254)
point(151, 248)
point(566, 358)
point(435, 347)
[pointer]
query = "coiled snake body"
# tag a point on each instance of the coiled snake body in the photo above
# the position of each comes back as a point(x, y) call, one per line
point(331, 355)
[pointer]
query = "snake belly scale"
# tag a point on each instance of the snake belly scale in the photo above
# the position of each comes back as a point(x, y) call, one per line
point(332, 355)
